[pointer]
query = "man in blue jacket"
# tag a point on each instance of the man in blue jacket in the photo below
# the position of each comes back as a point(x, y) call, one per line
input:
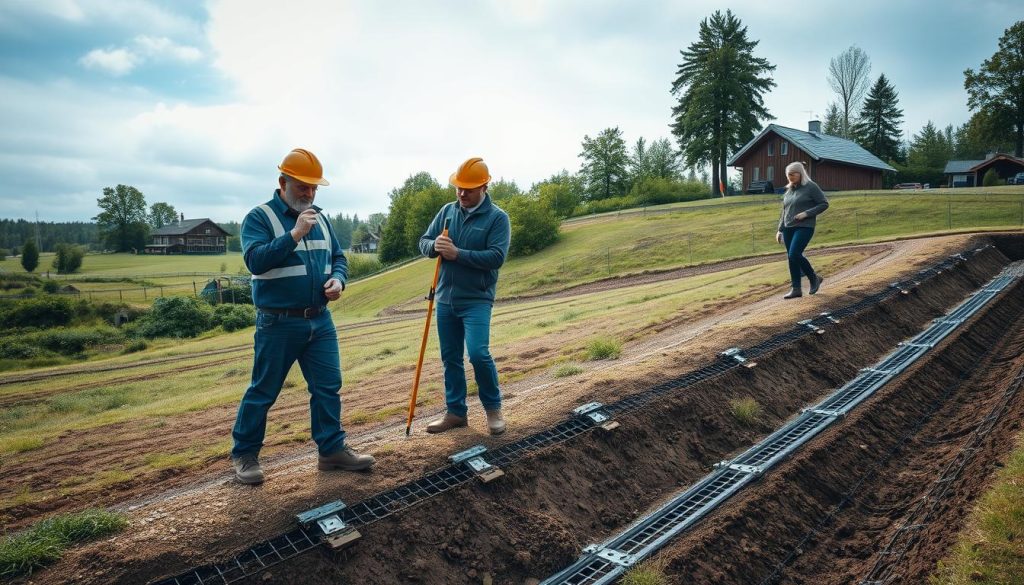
point(297, 267)
point(472, 252)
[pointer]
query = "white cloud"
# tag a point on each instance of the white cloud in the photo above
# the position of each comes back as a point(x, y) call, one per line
point(165, 48)
point(116, 62)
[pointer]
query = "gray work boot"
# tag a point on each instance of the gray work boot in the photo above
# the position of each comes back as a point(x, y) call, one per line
point(495, 424)
point(450, 421)
point(247, 469)
point(793, 294)
point(816, 283)
point(345, 460)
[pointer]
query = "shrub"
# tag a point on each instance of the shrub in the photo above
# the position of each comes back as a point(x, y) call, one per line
point(363, 264)
point(175, 317)
point(746, 410)
point(51, 286)
point(991, 178)
point(135, 346)
point(3, 254)
point(534, 225)
point(604, 348)
point(234, 317)
point(68, 258)
point(19, 350)
point(39, 312)
point(71, 341)
point(568, 370)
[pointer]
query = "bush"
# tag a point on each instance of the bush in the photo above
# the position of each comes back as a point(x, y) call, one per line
point(363, 264)
point(4, 252)
point(746, 410)
point(71, 341)
point(175, 317)
point(68, 258)
point(534, 225)
point(991, 178)
point(234, 317)
point(51, 286)
point(18, 350)
point(41, 312)
point(135, 346)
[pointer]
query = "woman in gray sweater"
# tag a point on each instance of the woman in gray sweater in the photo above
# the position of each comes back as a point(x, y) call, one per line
point(802, 202)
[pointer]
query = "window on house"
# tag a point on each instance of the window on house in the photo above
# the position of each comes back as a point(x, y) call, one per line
point(757, 174)
point(770, 173)
point(771, 149)
point(207, 231)
point(785, 148)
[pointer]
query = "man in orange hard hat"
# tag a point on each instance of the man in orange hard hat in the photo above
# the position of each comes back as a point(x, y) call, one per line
point(297, 268)
point(472, 252)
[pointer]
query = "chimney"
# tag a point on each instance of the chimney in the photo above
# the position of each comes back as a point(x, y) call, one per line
point(181, 218)
point(814, 126)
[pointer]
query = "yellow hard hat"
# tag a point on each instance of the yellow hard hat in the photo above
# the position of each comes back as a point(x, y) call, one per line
point(303, 165)
point(471, 174)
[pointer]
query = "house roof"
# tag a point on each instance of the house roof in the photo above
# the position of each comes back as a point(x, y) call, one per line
point(820, 147)
point(182, 227)
point(960, 166)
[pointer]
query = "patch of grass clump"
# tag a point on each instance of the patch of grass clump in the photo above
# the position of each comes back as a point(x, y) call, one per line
point(45, 542)
point(649, 573)
point(604, 348)
point(746, 410)
point(567, 370)
point(990, 550)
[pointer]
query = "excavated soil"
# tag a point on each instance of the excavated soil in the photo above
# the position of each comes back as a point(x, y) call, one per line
point(536, 519)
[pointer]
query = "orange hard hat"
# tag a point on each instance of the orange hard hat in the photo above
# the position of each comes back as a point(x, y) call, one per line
point(303, 165)
point(471, 174)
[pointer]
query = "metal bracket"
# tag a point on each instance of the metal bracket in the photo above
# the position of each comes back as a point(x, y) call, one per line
point(876, 371)
point(612, 556)
point(339, 535)
point(914, 344)
point(830, 317)
point(751, 469)
point(825, 412)
point(594, 411)
point(808, 323)
point(737, 354)
point(474, 460)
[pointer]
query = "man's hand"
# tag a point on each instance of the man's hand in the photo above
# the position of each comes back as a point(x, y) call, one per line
point(443, 245)
point(332, 289)
point(303, 223)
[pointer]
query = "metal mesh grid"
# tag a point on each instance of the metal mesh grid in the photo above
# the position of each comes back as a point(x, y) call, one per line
point(405, 496)
point(784, 440)
point(646, 535)
point(589, 570)
point(250, 562)
point(853, 392)
point(560, 433)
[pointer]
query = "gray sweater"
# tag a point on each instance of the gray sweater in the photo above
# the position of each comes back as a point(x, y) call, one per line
point(807, 198)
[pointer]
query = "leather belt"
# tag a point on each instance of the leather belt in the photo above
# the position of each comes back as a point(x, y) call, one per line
point(306, 313)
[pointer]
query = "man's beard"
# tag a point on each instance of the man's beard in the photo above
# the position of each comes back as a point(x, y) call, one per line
point(295, 203)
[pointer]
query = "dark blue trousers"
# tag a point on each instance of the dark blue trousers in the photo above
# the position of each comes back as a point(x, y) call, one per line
point(796, 240)
point(467, 327)
point(280, 342)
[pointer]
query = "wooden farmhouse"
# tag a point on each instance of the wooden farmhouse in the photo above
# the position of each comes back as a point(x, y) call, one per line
point(188, 236)
point(834, 163)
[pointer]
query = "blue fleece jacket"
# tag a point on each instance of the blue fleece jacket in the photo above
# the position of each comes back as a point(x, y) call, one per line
point(286, 274)
point(482, 238)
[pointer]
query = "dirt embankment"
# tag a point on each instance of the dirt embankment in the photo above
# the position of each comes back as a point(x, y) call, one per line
point(538, 517)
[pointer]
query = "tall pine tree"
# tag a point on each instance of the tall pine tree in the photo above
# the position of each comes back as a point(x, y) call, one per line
point(720, 85)
point(878, 129)
point(997, 88)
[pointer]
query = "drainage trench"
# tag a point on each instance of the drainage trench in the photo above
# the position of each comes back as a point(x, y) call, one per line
point(558, 493)
point(880, 497)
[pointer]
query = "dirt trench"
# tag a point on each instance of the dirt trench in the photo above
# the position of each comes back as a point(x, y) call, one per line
point(537, 518)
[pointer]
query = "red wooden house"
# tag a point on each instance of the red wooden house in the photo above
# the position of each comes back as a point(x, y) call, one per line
point(834, 163)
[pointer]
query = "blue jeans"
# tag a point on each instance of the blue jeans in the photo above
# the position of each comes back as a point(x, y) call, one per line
point(469, 326)
point(796, 240)
point(280, 342)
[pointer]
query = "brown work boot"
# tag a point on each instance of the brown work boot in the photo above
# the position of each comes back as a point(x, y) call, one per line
point(448, 422)
point(345, 460)
point(247, 469)
point(495, 424)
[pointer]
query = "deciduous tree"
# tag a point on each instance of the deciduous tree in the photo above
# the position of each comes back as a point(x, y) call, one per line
point(161, 214)
point(123, 222)
point(849, 75)
point(604, 165)
point(998, 85)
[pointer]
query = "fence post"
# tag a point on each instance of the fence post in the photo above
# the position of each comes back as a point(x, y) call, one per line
point(161, 291)
point(120, 296)
point(194, 290)
point(144, 293)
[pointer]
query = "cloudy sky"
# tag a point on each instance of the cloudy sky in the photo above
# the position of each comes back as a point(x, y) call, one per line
point(195, 103)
